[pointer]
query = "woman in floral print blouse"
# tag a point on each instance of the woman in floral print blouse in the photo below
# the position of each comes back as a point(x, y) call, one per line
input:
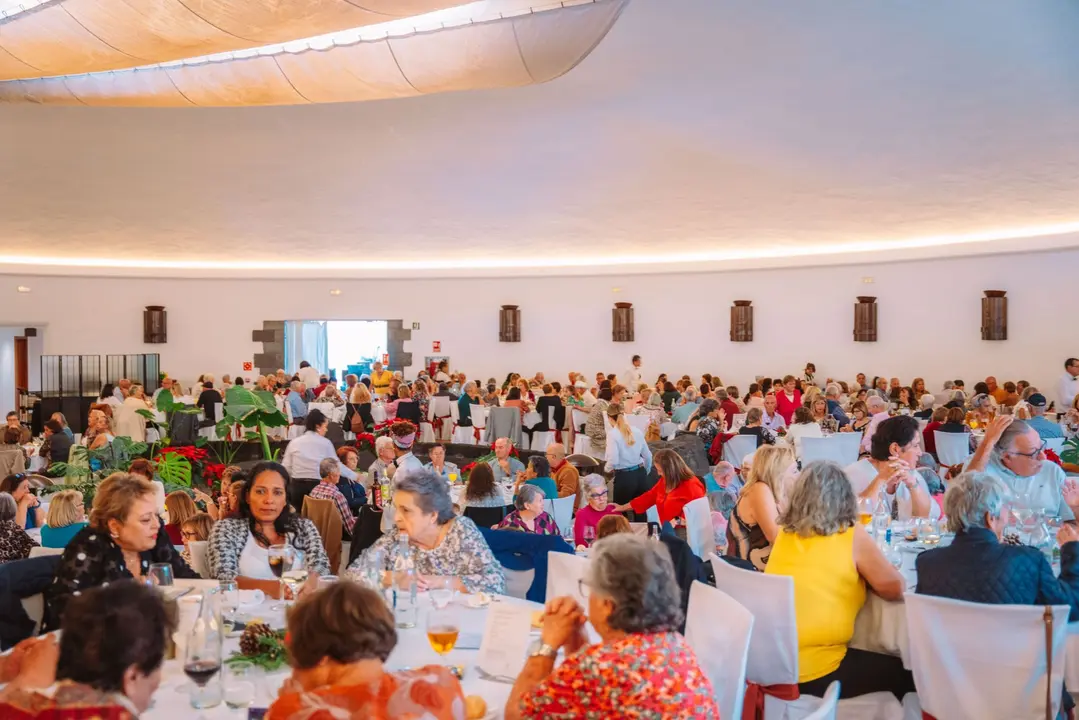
point(642, 668)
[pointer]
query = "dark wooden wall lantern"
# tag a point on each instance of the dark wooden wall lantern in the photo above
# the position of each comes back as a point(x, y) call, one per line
point(865, 319)
point(509, 324)
point(995, 315)
point(622, 322)
point(742, 321)
point(154, 324)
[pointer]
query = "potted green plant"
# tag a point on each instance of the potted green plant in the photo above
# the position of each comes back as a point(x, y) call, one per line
point(255, 410)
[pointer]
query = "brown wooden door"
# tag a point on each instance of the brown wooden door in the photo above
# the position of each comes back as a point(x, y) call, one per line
point(22, 377)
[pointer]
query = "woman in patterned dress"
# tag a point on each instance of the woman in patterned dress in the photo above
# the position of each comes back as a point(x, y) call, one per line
point(339, 638)
point(642, 666)
point(529, 515)
point(15, 544)
point(442, 543)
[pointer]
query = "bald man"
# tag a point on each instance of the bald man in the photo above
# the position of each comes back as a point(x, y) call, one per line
point(566, 477)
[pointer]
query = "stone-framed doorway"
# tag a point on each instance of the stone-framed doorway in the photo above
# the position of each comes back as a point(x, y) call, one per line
point(272, 337)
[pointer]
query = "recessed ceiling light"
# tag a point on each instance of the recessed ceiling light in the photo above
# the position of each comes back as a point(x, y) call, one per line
point(616, 290)
point(23, 289)
point(335, 291)
point(867, 280)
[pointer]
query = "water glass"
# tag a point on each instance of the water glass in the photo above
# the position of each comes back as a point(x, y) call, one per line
point(160, 574)
point(441, 590)
point(230, 603)
point(239, 685)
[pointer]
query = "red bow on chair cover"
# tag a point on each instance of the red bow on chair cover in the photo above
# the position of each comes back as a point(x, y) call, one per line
point(753, 706)
point(436, 427)
point(476, 433)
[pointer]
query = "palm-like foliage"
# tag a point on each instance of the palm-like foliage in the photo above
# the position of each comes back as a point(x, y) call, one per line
point(253, 409)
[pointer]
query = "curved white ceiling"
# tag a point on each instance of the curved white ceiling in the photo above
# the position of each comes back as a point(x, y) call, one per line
point(499, 50)
point(697, 134)
point(79, 36)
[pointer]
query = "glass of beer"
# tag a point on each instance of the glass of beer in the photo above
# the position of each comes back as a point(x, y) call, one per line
point(443, 626)
point(865, 510)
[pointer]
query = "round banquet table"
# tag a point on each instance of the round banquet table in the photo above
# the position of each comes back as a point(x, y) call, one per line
point(172, 702)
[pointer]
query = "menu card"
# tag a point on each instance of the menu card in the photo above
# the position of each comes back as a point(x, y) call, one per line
point(506, 639)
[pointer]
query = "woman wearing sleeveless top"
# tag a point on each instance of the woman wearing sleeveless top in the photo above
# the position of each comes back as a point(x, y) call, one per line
point(753, 524)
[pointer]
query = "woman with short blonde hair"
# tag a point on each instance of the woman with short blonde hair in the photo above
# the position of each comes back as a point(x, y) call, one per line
point(753, 524)
point(67, 515)
point(180, 507)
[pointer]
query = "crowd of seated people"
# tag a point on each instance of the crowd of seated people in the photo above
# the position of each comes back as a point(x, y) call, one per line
point(778, 519)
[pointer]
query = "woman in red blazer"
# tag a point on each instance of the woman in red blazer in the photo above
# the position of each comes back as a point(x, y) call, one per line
point(788, 398)
point(677, 486)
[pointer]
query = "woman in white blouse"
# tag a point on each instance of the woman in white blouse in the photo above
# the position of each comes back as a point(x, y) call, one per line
point(803, 426)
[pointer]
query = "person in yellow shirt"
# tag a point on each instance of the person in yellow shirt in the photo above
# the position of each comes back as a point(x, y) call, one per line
point(832, 558)
point(380, 380)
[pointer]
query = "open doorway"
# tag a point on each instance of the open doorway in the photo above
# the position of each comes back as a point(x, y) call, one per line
point(335, 347)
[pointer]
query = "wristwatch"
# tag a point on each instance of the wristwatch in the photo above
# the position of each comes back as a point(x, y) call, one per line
point(542, 649)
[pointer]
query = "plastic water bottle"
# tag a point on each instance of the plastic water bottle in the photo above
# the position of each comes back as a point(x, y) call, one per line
point(882, 514)
point(405, 588)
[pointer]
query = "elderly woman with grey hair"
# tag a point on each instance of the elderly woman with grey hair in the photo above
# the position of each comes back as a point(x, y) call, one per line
point(641, 667)
point(15, 544)
point(442, 543)
point(652, 408)
point(830, 556)
point(594, 508)
point(528, 514)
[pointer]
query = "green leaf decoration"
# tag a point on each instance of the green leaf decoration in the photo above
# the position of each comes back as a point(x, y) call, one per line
point(146, 414)
point(1070, 452)
point(175, 469)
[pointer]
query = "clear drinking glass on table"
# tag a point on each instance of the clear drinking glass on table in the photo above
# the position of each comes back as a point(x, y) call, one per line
point(240, 684)
point(441, 589)
point(296, 575)
point(372, 567)
point(281, 558)
point(865, 510)
point(160, 574)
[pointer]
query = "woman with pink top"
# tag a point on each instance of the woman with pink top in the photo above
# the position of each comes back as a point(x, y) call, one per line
point(788, 398)
point(595, 509)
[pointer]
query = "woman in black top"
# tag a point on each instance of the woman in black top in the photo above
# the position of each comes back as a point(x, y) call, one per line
point(208, 400)
point(753, 427)
point(550, 400)
point(407, 408)
point(670, 396)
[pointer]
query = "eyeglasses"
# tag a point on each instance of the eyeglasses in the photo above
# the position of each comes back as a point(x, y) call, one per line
point(602, 493)
point(582, 588)
point(187, 534)
point(1033, 454)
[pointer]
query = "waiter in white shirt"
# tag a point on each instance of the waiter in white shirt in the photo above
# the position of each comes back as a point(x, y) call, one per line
point(1069, 384)
point(628, 457)
point(303, 455)
point(308, 375)
point(633, 375)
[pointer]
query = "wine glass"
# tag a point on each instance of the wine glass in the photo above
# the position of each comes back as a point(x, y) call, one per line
point(589, 535)
point(443, 627)
point(202, 661)
point(441, 589)
point(160, 574)
point(280, 557)
point(865, 510)
point(296, 574)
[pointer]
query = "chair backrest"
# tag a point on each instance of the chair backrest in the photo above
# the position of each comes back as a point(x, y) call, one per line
point(699, 534)
point(736, 448)
point(439, 407)
point(652, 514)
point(563, 511)
point(551, 422)
point(366, 531)
point(326, 517)
point(825, 448)
point(952, 448)
point(773, 648)
point(638, 421)
point(580, 417)
point(972, 660)
point(197, 551)
point(518, 582)
point(719, 628)
point(504, 422)
point(563, 572)
point(828, 706)
point(850, 445)
point(1054, 444)
point(485, 516)
point(479, 415)
point(38, 551)
point(323, 407)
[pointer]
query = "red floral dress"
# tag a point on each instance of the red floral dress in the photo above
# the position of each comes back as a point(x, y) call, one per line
point(648, 676)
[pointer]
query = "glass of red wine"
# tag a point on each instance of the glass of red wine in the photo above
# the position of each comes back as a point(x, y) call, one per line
point(202, 661)
point(281, 560)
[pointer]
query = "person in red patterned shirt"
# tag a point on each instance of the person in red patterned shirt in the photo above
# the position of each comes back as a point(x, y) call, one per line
point(641, 668)
point(330, 472)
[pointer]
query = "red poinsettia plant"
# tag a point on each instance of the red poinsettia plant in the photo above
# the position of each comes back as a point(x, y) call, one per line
point(192, 453)
point(365, 441)
point(1051, 456)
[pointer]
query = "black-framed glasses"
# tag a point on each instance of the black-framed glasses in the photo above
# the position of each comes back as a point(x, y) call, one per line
point(1033, 454)
point(601, 493)
point(582, 588)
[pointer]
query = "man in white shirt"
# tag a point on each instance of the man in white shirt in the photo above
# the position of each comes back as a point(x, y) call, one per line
point(634, 375)
point(587, 397)
point(1014, 452)
point(1069, 384)
point(878, 411)
point(304, 454)
point(771, 419)
point(166, 386)
point(890, 467)
point(308, 375)
point(945, 396)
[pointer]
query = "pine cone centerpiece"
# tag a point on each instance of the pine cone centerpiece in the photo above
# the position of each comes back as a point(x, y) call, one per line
point(250, 643)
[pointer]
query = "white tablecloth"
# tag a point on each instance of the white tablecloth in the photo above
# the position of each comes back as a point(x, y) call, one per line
point(172, 700)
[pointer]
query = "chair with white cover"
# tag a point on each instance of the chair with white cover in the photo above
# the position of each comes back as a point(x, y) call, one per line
point(973, 661)
point(722, 648)
point(582, 444)
point(427, 432)
point(699, 533)
point(562, 512)
point(1054, 444)
point(952, 448)
point(294, 431)
point(563, 572)
point(736, 448)
point(638, 421)
point(652, 514)
point(668, 430)
point(463, 435)
point(543, 439)
point(827, 448)
point(34, 605)
point(439, 413)
point(773, 651)
point(479, 413)
point(829, 703)
point(197, 551)
point(518, 582)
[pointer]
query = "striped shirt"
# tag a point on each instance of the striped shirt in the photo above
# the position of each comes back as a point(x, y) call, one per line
point(325, 491)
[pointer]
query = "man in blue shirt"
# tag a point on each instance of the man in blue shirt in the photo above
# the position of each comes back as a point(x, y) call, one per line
point(831, 395)
point(503, 465)
point(1045, 428)
point(296, 403)
point(690, 402)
